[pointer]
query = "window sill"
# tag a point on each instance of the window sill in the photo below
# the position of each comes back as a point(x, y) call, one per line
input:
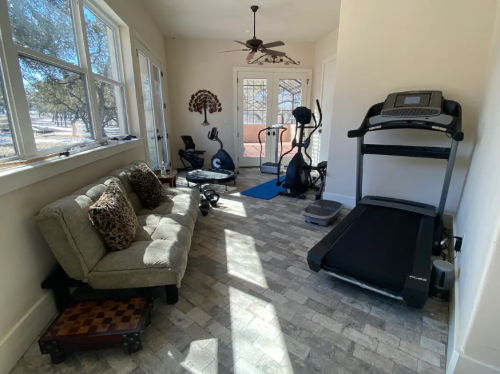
point(16, 178)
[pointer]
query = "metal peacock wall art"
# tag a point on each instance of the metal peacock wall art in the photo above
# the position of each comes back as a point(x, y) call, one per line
point(202, 101)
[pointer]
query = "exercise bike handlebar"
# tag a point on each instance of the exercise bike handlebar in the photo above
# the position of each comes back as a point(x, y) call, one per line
point(214, 136)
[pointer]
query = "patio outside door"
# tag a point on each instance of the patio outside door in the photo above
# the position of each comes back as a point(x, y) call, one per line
point(266, 99)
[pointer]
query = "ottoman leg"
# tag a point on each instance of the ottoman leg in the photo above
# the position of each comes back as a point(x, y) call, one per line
point(58, 358)
point(172, 294)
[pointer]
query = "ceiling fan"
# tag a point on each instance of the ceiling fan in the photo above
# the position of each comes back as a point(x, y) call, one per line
point(255, 45)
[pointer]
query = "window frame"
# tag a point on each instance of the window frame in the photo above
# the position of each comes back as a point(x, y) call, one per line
point(15, 93)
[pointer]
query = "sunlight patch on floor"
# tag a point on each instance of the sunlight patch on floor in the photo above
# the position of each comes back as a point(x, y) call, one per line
point(235, 208)
point(243, 260)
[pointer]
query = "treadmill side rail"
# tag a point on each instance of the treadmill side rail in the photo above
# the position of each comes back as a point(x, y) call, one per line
point(416, 288)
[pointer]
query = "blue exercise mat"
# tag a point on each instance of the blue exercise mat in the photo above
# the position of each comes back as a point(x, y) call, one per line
point(266, 190)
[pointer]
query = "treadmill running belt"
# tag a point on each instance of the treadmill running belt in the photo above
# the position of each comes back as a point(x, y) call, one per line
point(378, 247)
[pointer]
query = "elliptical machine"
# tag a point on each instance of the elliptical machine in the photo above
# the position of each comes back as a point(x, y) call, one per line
point(221, 160)
point(298, 173)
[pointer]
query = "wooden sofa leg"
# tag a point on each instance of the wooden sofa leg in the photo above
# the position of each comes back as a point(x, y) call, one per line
point(172, 294)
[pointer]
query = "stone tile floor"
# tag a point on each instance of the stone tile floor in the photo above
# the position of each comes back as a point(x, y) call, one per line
point(249, 304)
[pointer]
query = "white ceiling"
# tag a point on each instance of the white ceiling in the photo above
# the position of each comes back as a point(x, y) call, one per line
point(287, 20)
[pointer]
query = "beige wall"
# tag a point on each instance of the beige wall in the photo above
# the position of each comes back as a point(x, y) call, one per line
point(197, 64)
point(26, 259)
point(386, 46)
point(478, 220)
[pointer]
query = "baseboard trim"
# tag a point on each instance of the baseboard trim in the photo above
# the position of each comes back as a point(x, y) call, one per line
point(23, 334)
point(348, 201)
point(467, 365)
point(453, 351)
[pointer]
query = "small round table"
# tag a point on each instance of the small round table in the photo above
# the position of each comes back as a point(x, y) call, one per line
point(209, 176)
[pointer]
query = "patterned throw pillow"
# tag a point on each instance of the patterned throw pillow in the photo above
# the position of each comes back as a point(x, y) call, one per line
point(114, 217)
point(148, 186)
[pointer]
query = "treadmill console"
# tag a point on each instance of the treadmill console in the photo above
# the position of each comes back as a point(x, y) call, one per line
point(424, 110)
point(413, 104)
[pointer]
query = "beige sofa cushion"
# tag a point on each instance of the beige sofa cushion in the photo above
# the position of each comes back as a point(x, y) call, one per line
point(75, 242)
point(157, 257)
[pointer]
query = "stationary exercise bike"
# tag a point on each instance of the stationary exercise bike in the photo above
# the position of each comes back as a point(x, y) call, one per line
point(298, 174)
point(221, 160)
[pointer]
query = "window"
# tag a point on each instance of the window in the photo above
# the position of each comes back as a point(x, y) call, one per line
point(7, 143)
point(70, 88)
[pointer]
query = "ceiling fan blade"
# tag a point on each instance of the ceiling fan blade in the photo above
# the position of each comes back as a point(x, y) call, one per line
point(245, 44)
point(250, 56)
point(273, 44)
point(272, 52)
point(235, 50)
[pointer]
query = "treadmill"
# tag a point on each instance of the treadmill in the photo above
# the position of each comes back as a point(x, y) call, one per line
point(385, 244)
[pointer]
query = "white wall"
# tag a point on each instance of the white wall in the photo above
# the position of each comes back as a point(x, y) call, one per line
point(390, 45)
point(26, 258)
point(323, 48)
point(197, 64)
point(478, 220)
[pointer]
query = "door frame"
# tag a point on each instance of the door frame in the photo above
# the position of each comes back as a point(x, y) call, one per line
point(237, 70)
point(325, 61)
point(139, 43)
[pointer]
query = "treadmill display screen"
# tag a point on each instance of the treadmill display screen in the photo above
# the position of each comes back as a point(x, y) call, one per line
point(412, 100)
point(409, 100)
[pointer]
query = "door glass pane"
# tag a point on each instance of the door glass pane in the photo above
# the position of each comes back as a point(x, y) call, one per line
point(57, 102)
point(149, 112)
point(254, 116)
point(289, 98)
point(102, 46)
point(110, 99)
point(46, 26)
point(159, 117)
point(7, 143)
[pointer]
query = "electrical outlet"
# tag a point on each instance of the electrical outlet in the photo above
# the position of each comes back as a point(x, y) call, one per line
point(228, 121)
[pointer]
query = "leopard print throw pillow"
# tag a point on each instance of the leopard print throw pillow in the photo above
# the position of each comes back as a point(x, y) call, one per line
point(114, 217)
point(148, 186)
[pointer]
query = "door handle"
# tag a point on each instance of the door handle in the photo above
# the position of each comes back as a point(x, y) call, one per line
point(158, 136)
point(320, 131)
point(268, 133)
point(274, 133)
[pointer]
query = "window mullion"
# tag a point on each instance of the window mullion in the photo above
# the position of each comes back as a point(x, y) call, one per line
point(84, 57)
point(16, 97)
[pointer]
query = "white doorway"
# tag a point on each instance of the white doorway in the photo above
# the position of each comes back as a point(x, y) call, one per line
point(150, 68)
point(327, 96)
point(265, 98)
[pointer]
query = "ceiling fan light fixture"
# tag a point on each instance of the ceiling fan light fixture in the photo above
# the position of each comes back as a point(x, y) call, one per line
point(255, 45)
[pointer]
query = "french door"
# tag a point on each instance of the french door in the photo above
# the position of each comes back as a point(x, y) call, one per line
point(266, 100)
point(152, 98)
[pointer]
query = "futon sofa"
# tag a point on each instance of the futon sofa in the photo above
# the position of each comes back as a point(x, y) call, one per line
point(157, 257)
